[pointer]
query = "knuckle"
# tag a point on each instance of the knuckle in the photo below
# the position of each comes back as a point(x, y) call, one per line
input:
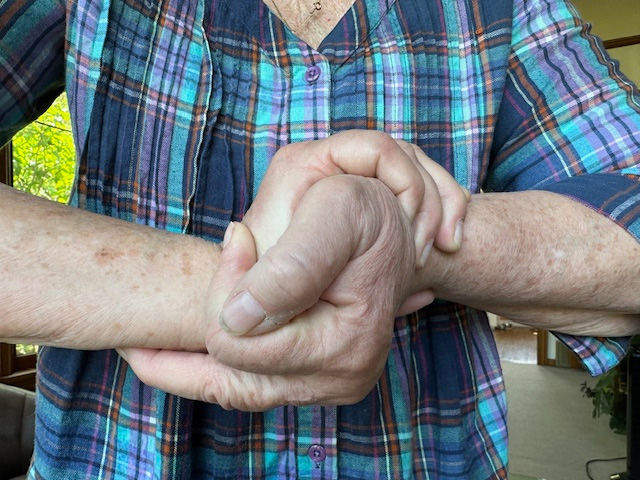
point(406, 146)
point(218, 386)
point(383, 143)
point(434, 219)
point(431, 214)
point(250, 402)
point(261, 397)
point(455, 203)
point(455, 193)
point(282, 154)
point(210, 393)
point(282, 160)
point(382, 139)
point(418, 187)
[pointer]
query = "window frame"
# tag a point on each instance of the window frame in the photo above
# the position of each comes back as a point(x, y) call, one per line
point(621, 42)
point(6, 165)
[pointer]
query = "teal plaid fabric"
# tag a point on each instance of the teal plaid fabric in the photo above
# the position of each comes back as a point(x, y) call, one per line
point(178, 107)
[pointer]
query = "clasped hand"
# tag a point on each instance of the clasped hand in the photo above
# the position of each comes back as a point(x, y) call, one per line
point(302, 306)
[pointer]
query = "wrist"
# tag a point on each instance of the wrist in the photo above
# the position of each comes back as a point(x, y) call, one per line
point(195, 285)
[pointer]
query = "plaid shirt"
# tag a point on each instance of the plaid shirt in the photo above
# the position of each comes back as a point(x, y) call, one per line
point(177, 108)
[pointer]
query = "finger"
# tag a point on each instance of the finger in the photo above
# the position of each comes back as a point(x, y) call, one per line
point(416, 301)
point(238, 252)
point(349, 338)
point(198, 376)
point(369, 153)
point(297, 347)
point(237, 257)
point(454, 200)
point(429, 215)
point(291, 276)
point(366, 153)
point(298, 166)
point(179, 373)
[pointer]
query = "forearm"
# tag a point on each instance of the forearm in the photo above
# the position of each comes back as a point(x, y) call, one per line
point(79, 280)
point(543, 260)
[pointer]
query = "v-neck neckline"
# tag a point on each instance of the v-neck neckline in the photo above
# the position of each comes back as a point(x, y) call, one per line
point(316, 21)
point(277, 40)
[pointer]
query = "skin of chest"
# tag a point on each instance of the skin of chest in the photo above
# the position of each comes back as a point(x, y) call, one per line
point(310, 20)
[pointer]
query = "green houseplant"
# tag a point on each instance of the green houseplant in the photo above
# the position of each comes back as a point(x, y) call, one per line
point(609, 394)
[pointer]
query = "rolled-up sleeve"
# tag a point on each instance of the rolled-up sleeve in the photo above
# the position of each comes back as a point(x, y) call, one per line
point(569, 123)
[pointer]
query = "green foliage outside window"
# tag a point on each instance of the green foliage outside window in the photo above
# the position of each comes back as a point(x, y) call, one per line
point(44, 155)
point(44, 162)
point(26, 349)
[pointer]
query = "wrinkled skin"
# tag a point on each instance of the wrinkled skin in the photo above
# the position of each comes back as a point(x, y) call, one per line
point(337, 254)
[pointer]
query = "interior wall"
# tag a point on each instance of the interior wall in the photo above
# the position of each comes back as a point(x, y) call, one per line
point(615, 19)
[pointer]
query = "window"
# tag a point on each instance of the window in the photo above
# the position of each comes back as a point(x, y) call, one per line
point(41, 161)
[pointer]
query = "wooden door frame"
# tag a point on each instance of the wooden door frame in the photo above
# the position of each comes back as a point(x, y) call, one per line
point(6, 165)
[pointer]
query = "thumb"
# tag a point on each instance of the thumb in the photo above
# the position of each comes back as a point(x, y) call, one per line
point(237, 257)
point(415, 302)
point(292, 275)
point(238, 252)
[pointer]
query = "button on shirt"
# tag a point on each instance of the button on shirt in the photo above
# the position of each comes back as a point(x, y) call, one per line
point(178, 107)
point(312, 74)
point(317, 453)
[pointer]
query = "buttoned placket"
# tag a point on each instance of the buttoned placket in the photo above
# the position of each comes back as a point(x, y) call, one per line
point(310, 110)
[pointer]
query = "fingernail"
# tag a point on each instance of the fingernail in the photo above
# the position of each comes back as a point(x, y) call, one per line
point(227, 234)
point(425, 254)
point(467, 193)
point(241, 314)
point(457, 236)
point(122, 354)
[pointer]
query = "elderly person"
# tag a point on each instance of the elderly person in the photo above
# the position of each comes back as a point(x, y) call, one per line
point(311, 346)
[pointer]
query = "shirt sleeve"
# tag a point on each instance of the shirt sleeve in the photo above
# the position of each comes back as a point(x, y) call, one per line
point(597, 354)
point(569, 123)
point(32, 36)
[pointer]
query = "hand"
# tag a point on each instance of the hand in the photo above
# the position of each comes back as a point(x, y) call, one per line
point(292, 184)
point(334, 352)
point(433, 201)
point(431, 198)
